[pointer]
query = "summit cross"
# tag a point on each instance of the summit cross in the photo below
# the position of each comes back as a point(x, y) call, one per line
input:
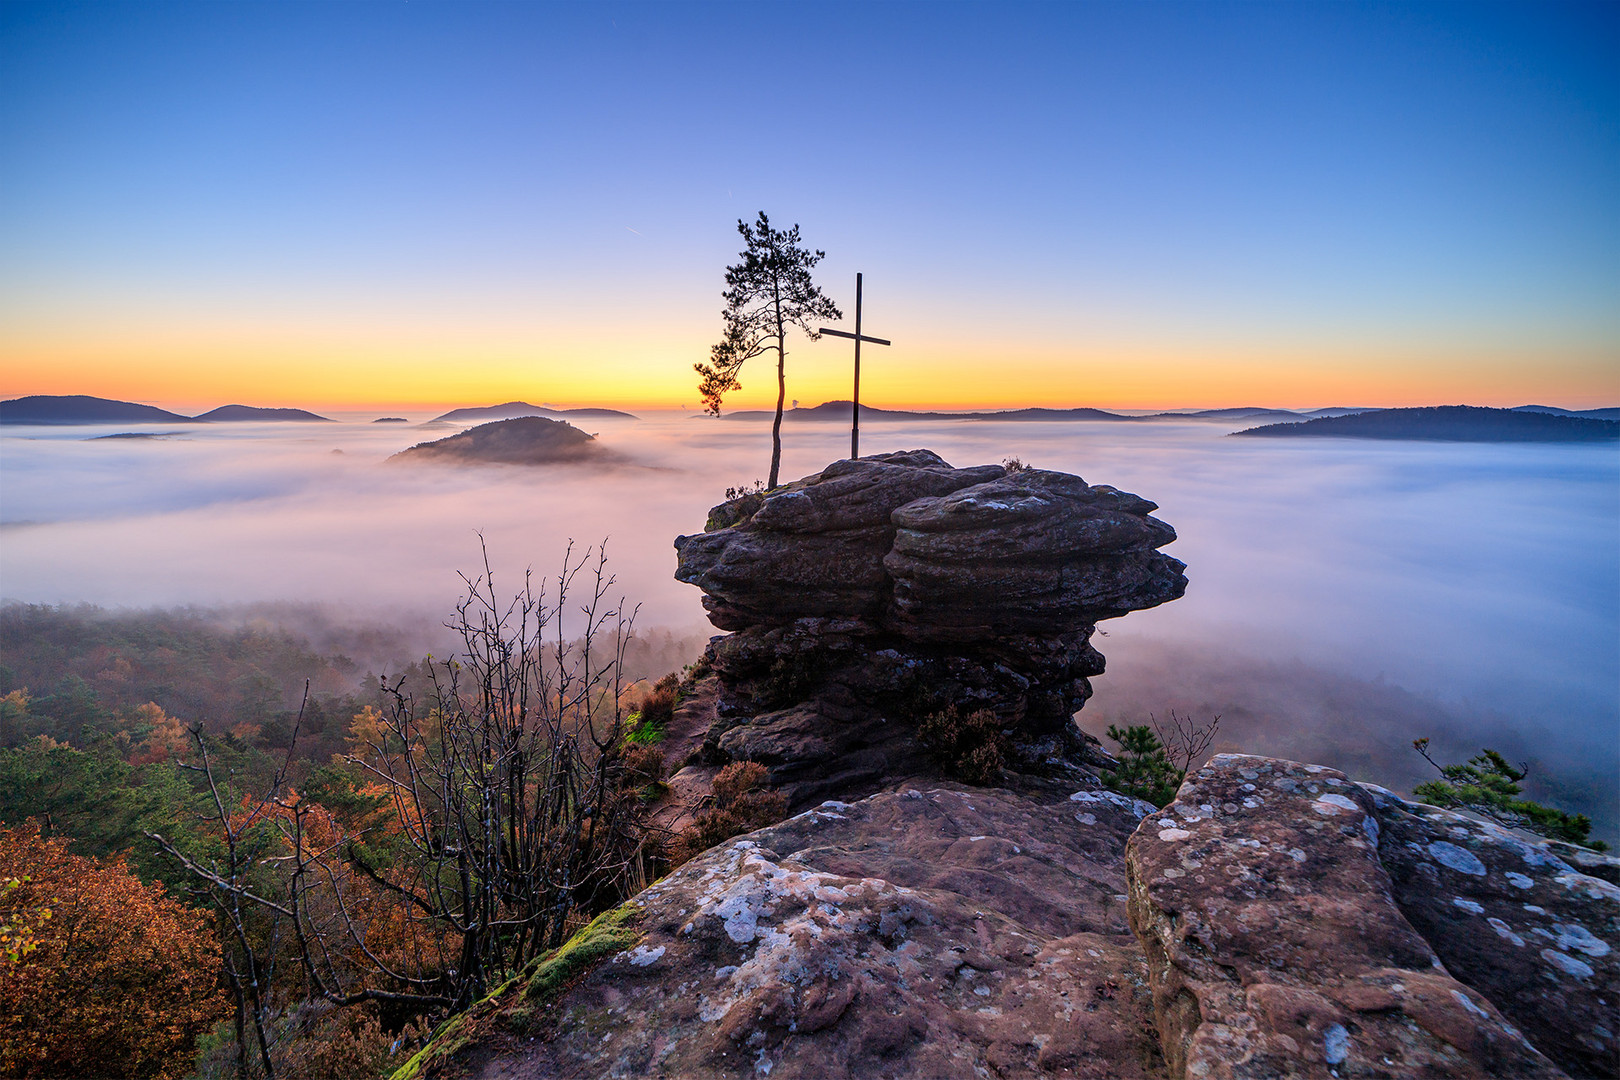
point(855, 412)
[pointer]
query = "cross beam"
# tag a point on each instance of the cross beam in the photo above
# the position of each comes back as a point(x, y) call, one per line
point(857, 337)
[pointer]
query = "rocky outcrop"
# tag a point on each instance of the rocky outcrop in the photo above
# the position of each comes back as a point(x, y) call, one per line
point(882, 591)
point(1519, 920)
point(1032, 552)
point(905, 543)
point(926, 932)
point(1276, 947)
point(939, 930)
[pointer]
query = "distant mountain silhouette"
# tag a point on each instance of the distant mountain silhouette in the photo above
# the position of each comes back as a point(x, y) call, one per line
point(523, 440)
point(841, 410)
point(135, 435)
point(1252, 412)
point(1591, 414)
point(249, 412)
point(1450, 423)
point(390, 420)
point(83, 409)
point(512, 409)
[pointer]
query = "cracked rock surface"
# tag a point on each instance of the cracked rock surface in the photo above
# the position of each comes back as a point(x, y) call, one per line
point(1276, 946)
point(940, 932)
point(1287, 922)
point(1517, 920)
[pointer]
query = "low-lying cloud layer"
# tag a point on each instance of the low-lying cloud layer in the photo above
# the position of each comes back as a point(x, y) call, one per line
point(1345, 597)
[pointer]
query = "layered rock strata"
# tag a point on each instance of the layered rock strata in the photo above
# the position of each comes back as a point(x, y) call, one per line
point(883, 590)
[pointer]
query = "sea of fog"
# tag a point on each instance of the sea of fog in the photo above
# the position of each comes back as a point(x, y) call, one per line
point(1345, 596)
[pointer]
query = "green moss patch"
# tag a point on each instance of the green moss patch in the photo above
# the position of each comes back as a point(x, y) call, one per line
point(610, 932)
point(513, 1006)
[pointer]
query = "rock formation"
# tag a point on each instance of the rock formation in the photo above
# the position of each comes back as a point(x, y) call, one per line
point(1276, 919)
point(1276, 946)
point(884, 590)
point(942, 931)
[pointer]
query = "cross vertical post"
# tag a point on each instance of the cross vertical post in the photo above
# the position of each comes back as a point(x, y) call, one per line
point(858, 337)
point(855, 405)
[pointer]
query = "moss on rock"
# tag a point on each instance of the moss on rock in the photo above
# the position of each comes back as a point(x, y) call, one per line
point(513, 1005)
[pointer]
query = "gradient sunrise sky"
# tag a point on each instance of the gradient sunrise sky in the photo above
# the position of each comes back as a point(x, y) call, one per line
point(1121, 205)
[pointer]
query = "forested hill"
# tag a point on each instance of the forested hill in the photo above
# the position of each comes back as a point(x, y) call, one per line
point(83, 409)
point(1449, 423)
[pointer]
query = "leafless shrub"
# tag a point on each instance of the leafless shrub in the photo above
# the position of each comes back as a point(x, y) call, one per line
point(969, 747)
point(1185, 741)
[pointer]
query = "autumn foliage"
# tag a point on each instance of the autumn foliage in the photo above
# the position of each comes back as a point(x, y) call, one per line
point(122, 979)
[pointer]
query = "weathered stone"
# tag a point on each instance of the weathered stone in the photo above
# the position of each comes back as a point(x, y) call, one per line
point(814, 547)
point(1514, 920)
point(835, 713)
point(1030, 552)
point(995, 587)
point(1275, 947)
point(919, 933)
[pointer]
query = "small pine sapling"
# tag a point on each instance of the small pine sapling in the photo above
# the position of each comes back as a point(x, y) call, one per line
point(1489, 786)
point(1145, 771)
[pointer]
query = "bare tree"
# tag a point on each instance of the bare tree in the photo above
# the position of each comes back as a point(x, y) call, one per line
point(512, 813)
point(766, 293)
point(510, 787)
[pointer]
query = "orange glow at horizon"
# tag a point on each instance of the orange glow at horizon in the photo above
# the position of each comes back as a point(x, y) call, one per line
point(645, 370)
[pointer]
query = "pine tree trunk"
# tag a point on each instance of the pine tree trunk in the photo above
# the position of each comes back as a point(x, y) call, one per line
point(781, 394)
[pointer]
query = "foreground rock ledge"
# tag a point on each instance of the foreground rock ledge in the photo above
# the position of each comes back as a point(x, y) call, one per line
point(927, 932)
point(1288, 922)
point(1275, 945)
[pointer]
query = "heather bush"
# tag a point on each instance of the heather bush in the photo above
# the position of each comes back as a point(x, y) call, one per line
point(741, 804)
point(969, 747)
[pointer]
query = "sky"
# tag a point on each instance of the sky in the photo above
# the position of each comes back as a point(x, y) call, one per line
point(396, 205)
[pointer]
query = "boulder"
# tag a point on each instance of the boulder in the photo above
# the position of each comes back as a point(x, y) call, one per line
point(815, 547)
point(1515, 920)
point(905, 542)
point(939, 932)
point(1275, 946)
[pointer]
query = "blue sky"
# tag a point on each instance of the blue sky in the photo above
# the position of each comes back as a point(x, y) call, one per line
point(1405, 194)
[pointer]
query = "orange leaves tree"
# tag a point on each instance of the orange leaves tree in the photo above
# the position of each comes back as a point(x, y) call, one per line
point(122, 978)
point(504, 811)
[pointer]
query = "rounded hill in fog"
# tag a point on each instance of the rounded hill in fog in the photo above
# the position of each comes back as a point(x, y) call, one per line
point(1450, 423)
point(525, 440)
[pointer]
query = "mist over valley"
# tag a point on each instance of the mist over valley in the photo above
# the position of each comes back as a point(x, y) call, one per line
point(1344, 598)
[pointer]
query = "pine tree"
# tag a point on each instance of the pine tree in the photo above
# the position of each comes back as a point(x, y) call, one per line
point(768, 292)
